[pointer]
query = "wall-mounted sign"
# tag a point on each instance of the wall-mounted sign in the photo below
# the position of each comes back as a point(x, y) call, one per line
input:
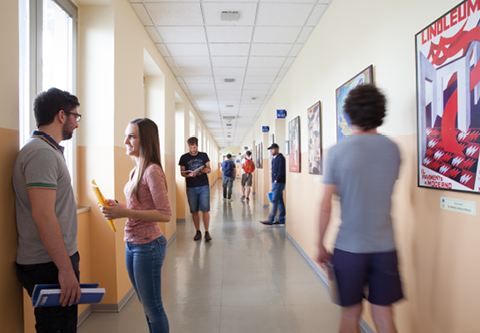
point(281, 113)
point(265, 129)
point(459, 206)
point(246, 148)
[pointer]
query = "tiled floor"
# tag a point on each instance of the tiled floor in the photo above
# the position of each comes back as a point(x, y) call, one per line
point(249, 278)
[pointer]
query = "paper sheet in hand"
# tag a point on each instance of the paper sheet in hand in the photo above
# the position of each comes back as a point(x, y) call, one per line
point(332, 283)
point(188, 171)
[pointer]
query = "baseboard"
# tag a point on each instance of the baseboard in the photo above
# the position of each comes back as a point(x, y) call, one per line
point(363, 324)
point(170, 241)
point(84, 315)
point(114, 308)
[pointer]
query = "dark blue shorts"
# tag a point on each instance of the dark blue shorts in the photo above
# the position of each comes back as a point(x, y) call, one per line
point(373, 276)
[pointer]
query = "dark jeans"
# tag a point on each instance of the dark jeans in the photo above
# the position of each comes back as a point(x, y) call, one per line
point(278, 203)
point(54, 319)
point(227, 187)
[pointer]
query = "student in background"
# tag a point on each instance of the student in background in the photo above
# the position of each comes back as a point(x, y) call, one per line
point(247, 174)
point(362, 170)
point(47, 212)
point(195, 166)
point(228, 169)
point(147, 204)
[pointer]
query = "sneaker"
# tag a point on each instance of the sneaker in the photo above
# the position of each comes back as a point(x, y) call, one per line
point(230, 200)
point(248, 199)
point(278, 223)
point(266, 222)
point(207, 237)
point(243, 198)
point(225, 199)
point(198, 235)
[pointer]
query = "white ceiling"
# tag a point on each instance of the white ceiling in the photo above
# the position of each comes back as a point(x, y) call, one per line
point(256, 50)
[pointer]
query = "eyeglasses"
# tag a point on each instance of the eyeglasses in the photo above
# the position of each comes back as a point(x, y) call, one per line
point(78, 116)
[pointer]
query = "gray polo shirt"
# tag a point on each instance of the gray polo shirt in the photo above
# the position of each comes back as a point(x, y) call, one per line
point(365, 168)
point(41, 164)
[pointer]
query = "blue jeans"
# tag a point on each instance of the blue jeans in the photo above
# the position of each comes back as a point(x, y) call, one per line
point(227, 187)
point(144, 266)
point(277, 201)
point(199, 198)
point(53, 318)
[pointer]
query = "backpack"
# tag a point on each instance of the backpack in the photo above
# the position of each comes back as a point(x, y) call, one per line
point(248, 166)
point(229, 169)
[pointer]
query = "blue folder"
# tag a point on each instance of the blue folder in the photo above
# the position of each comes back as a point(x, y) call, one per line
point(270, 196)
point(49, 294)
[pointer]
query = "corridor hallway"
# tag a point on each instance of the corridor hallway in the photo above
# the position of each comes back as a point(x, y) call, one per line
point(250, 278)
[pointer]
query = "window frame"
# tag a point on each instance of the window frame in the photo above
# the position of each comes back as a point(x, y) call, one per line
point(32, 12)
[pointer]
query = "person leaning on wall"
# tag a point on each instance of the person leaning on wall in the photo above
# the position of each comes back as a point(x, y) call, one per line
point(46, 211)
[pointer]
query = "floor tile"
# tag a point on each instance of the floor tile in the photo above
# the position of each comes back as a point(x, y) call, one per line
point(255, 320)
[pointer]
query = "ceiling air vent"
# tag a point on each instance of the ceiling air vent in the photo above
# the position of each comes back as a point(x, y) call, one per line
point(228, 80)
point(229, 15)
point(229, 117)
point(229, 124)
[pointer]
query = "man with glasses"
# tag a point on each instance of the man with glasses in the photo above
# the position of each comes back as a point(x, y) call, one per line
point(46, 210)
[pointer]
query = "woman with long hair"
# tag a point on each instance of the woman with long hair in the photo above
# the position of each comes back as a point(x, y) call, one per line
point(147, 204)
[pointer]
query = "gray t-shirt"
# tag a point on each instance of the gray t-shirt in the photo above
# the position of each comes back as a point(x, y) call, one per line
point(365, 168)
point(41, 164)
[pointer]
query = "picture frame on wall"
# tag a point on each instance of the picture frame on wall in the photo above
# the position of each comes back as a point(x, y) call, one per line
point(448, 105)
point(344, 125)
point(257, 156)
point(294, 138)
point(261, 156)
point(315, 161)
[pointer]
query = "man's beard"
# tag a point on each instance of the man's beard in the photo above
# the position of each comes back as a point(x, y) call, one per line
point(67, 133)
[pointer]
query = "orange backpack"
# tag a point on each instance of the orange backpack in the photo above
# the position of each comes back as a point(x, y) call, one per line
point(248, 166)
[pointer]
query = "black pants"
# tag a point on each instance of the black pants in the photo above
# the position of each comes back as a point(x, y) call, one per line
point(54, 319)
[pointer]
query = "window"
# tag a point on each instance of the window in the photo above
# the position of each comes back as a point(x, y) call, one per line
point(48, 39)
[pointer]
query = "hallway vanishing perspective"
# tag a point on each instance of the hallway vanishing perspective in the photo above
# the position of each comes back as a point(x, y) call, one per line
point(249, 278)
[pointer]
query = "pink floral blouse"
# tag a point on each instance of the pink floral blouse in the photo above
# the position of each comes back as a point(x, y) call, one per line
point(152, 195)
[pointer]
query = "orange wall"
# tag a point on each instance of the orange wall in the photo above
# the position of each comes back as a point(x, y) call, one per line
point(11, 300)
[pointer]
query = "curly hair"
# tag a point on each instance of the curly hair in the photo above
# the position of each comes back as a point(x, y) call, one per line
point(366, 106)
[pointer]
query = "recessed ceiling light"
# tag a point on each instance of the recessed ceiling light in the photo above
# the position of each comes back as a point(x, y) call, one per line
point(228, 80)
point(229, 106)
point(254, 98)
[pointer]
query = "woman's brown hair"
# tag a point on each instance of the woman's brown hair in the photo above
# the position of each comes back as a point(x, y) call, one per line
point(149, 151)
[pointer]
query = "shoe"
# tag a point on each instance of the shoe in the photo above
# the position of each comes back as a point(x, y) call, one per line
point(266, 222)
point(278, 223)
point(225, 199)
point(198, 235)
point(230, 200)
point(248, 199)
point(207, 236)
point(243, 198)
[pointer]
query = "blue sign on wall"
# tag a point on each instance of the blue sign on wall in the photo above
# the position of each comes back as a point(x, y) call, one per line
point(281, 113)
point(265, 128)
point(246, 148)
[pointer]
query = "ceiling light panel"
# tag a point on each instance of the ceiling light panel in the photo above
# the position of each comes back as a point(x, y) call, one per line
point(259, 79)
point(229, 34)
point(276, 34)
point(246, 12)
point(182, 34)
point(275, 14)
point(263, 71)
point(232, 72)
point(198, 79)
point(195, 71)
point(179, 14)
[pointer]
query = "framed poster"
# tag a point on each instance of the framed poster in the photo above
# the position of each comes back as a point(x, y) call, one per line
point(261, 156)
point(315, 140)
point(344, 125)
point(294, 138)
point(448, 106)
point(257, 156)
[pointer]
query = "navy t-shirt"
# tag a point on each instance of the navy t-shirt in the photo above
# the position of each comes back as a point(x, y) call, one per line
point(191, 163)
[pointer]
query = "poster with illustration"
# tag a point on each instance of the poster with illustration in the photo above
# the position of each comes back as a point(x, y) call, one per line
point(448, 93)
point(344, 125)
point(294, 138)
point(314, 140)
point(260, 165)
